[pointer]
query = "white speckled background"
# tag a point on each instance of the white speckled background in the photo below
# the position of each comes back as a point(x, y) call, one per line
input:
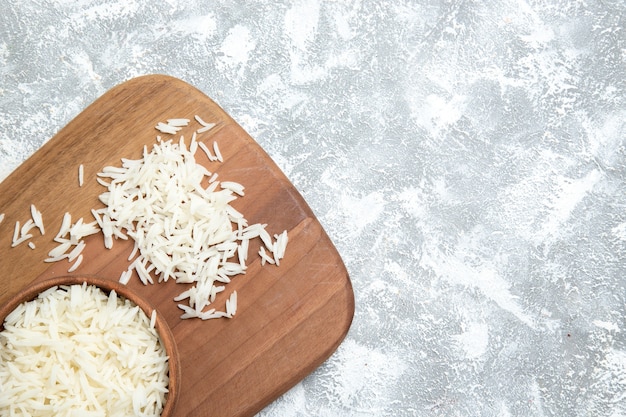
point(467, 158)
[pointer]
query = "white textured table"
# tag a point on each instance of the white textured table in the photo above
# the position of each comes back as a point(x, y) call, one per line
point(467, 158)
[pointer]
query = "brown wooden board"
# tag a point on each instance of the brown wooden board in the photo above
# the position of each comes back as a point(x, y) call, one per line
point(290, 318)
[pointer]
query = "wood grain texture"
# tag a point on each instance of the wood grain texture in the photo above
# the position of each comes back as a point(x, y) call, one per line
point(290, 318)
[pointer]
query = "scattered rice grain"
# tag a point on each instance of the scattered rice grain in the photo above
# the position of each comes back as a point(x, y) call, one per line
point(207, 152)
point(166, 128)
point(81, 175)
point(216, 150)
point(37, 218)
point(178, 122)
point(76, 264)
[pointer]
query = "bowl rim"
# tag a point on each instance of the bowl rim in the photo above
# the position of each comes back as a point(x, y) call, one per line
point(31, 291)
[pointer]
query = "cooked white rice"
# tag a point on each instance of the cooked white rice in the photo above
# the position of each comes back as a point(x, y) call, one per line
point(76, 264)
point(205, 126)
point(22, 233)
point(37, 219)
point(81, 175)
point(216, 150)
point(207, 151)
point(71, 243)
point(76, 351)
point(182, 229)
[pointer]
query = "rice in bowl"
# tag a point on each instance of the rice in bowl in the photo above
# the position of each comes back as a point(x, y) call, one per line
point(79, 349)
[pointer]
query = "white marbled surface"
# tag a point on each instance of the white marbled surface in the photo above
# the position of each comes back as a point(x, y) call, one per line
point(467, 158)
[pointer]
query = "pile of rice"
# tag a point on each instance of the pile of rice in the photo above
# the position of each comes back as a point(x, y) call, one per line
point(180, 217)
point(76, 351)
point(182, 222)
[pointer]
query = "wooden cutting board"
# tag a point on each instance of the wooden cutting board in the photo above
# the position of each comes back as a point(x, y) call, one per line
point(290, 318)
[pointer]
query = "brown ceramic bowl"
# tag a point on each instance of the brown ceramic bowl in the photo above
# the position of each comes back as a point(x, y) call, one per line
point(165, 334)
